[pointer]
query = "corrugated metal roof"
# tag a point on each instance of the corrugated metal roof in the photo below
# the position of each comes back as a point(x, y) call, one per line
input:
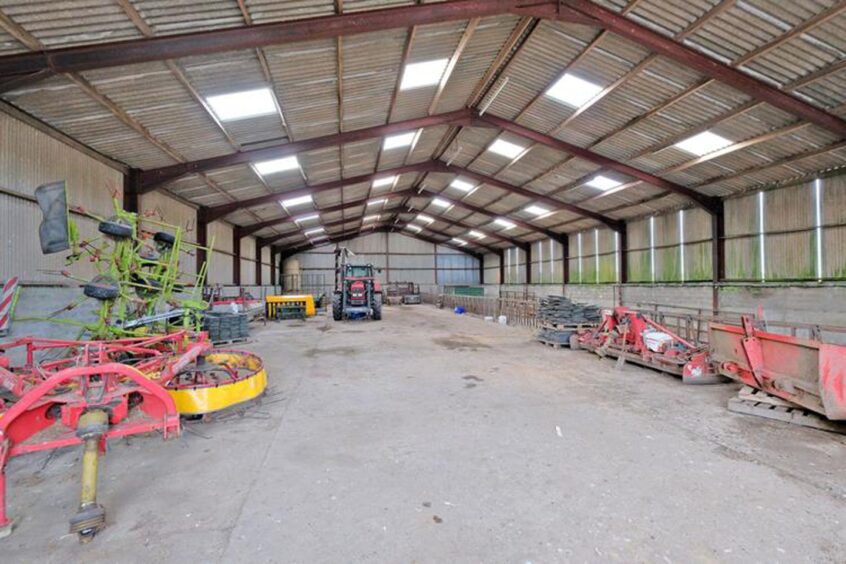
point(147, 117)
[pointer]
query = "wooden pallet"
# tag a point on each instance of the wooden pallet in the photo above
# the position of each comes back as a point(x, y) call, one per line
point(750, 401)
point(553, 344)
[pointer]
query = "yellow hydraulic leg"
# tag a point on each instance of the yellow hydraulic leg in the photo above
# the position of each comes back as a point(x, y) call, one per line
point(90, 518)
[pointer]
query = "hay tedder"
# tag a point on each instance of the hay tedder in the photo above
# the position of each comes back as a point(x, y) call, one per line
point(140, 366)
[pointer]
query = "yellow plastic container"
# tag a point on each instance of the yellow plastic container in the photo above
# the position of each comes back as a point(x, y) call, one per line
point(273, 302)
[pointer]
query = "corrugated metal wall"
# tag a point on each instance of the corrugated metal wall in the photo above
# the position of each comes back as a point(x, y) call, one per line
point(833, 215)
point(265, 265)
point(220, 263)
point(29, 158)
point(401, 258)
point(547, 263)
point(742, 242)
point(698, 266)
point(491, 261)
point(248, 261)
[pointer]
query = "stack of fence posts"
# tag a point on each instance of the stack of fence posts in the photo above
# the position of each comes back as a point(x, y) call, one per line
point(517, 311)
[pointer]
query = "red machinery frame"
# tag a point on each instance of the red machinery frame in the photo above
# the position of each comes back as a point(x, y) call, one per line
point(622, 333)
point(125, 378)
point(809, 373)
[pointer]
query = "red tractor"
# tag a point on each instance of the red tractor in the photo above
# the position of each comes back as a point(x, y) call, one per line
point(358, 294)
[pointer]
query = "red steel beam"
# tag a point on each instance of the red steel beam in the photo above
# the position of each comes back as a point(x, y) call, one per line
point(329, 209)
point(352, 234)
point(118, 53)
point(614, 224)
point(483, 211)
point(706, 65)
point(709, 203)
point(217, 212)
point(151, 179)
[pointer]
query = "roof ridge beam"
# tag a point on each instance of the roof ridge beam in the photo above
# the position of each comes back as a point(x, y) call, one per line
point(249, 230)
point(210, 214)
point(153, 178)
point(614, 224)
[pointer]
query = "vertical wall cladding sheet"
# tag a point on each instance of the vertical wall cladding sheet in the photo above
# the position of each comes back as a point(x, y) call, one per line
point(515, 266)
point(590, 274)
point(574, 259)
point(790, 245)
point(547, 267)
point(698, 246)
point(248, 261)
point(667, 249)
point(742, 246)
point(20, 251)
point(220, 266)
point(491, 264)
point(409, 260)
point(639, 258)
point(265, 265)
point(834, 230)
point(174, 212)
point(28, 159)
point(401, 258)
point(456, 268)
point(607, 241)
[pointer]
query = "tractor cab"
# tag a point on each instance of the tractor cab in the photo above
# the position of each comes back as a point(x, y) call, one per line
point(358, 293)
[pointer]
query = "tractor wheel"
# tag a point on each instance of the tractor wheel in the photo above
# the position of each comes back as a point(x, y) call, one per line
point(115, 227)
point(377, 307)
point(102, 288)
point(337, 310)
point(164, 238)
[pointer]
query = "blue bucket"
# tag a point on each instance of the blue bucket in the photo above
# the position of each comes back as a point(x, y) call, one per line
point(459, 310)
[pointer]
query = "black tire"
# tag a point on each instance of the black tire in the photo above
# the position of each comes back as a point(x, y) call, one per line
point(164, 238)
point(147, 252)
point(337, 310)
point(574, 342)
point(145, 293)
point(115, 227)
point(102, 288)
point(377, 307)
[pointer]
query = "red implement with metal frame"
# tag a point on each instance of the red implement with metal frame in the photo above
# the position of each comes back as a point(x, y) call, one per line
point(807, 372)
point(122, 383)
point(632, 335)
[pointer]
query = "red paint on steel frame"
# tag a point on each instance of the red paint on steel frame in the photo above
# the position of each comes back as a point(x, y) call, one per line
point(806, 372)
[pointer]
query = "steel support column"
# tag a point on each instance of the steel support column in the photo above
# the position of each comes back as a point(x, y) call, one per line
point(273, 277)
point(131, 187)
point(564, 240)
point(236, 256)
point(624, 257)
point(718, 255)
point(202, 241)
point(528, 250)
point(259, 248)
point(502, 267)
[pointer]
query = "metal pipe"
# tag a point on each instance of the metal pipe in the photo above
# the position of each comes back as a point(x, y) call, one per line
point(90, 517)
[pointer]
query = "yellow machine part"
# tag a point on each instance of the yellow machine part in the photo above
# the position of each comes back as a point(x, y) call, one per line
point(199, 401)
point(298, 299)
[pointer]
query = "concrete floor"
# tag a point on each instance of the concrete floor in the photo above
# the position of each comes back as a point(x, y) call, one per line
point(430, 437)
